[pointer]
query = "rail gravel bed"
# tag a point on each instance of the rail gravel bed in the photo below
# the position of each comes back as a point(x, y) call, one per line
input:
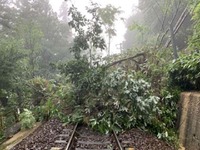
point(140, 140)
point(45, 136)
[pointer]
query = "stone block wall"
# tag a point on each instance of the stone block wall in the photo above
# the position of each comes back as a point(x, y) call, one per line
point(189, 120)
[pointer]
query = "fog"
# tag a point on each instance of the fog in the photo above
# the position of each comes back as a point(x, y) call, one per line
point(128, 8)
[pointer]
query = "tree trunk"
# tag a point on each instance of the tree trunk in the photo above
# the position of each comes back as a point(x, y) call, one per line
point(109, 38)
point(173, 42)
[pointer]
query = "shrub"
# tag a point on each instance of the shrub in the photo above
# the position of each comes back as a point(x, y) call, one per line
point(27, 119)
point(83, 77)
point(41, 90)
point(184, 72)
point(57, 101)
point(48, 110)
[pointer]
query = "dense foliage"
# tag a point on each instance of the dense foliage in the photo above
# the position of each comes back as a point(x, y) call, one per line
point(195, 40)
point(184, 72)
point(9, 60)
point(130, 99)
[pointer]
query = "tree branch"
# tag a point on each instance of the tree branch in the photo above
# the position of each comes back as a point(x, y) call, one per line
point(162, 27)
point(173, 18)
point(125, 59)
point(178, 24)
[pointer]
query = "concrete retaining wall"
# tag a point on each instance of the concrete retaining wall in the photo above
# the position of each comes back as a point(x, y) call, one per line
point(189, 121)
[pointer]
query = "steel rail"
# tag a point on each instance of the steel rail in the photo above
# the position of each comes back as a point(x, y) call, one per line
point(71, 138)
point(117, 141)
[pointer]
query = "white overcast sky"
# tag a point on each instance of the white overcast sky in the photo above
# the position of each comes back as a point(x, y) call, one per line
point(127, 6)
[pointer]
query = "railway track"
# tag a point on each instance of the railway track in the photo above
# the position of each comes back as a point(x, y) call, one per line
point(53, 135)
point(83, 138)
point(64, 139)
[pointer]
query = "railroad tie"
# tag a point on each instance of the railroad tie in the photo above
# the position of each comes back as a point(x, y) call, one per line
point(88, 149)
point(55, 148)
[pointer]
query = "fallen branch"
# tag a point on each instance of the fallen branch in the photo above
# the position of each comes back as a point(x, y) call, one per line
point(125, 59)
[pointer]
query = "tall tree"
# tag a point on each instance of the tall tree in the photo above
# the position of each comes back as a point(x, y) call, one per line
point(7, 18)
point(31, 36)
point(9, 56)
point(158, 16)
point(88, 32)
point(109, 15)
point(4, 14)
point(63, 12)
point(55, 40)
